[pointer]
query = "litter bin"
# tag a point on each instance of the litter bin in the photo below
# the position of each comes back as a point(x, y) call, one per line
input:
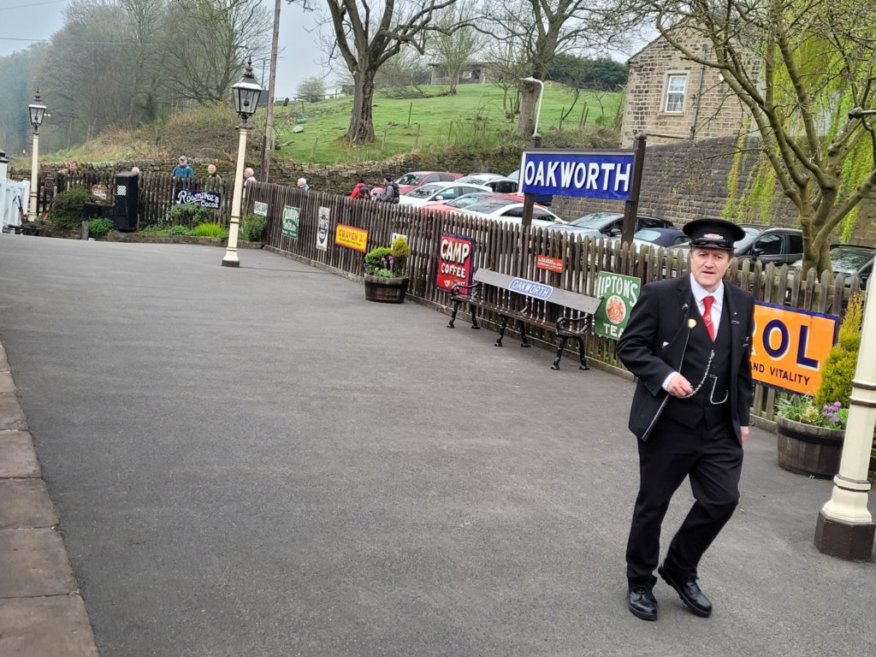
point(127, 197)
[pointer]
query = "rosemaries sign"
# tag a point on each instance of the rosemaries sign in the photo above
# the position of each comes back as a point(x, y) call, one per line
point(204, 199)
point(590, 175)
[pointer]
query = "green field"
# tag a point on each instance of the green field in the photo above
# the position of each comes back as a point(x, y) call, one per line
point(474, 117)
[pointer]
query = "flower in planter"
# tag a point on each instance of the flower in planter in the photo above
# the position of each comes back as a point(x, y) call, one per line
point(388, 262)
point(829, 408)
point(804, 409)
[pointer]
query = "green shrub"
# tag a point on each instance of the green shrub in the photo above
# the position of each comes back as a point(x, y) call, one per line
point(253, 228)
point(189, 214)
point(839, 369)
point(388, 262)
point(209, 230)
point(98, 228)
point(176, 231)
point(68, 208)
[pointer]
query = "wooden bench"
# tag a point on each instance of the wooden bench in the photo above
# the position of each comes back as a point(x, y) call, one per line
point(520, 306)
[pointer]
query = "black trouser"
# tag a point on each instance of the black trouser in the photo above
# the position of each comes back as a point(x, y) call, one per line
point(713, 460)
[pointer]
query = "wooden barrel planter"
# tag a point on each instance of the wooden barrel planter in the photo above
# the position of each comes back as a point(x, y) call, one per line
point(386, 290)
point(806, 449)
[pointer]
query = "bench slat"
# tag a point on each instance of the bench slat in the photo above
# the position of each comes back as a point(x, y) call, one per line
point(537, 290)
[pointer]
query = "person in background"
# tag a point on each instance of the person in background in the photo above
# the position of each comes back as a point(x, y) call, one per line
point(302, 184)
point(248, 180)
point(360, 190)
point(213, 181)
point(688, 342)
point(390, 193)
point(183, 170)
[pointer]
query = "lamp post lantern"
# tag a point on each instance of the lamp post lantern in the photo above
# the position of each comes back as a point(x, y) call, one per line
point(246, 98)
point(37, 111)
point(536, 138)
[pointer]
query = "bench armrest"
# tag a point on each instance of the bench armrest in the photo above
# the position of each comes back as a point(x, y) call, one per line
point(457, 290)
point(570, 322)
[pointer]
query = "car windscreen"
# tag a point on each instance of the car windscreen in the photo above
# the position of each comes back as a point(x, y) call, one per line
point(848, 260)
point(467, 200)
point(648, 235)
point(487, 206)
point(409, 179)
point(424, 192)
point(597, 220)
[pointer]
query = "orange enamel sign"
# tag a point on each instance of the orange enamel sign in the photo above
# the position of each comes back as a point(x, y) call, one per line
point(790, 347)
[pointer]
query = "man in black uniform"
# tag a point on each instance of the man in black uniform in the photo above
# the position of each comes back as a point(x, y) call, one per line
point(688, 342)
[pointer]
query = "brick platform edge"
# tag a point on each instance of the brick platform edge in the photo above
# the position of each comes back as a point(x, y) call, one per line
point(41, 611)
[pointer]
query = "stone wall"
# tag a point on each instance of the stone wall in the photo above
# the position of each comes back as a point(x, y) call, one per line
point(710, 109)
point(687, 180)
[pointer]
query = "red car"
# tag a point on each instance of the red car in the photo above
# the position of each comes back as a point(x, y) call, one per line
point(416, 178)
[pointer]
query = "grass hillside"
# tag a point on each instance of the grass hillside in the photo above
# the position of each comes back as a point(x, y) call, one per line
point(472, 119)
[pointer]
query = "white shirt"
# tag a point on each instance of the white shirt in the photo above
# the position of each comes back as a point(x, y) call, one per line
point(700, 293)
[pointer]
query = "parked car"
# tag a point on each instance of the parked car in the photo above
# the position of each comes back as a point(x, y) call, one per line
point(500, 208)
point(494, 181)
point(413, 179)
point(751, 233)
point(850, 260)
point(777, 245)
point(661, 236)
point(543, 199)
point(609, 224)
point(443, 191)
point(460, 203)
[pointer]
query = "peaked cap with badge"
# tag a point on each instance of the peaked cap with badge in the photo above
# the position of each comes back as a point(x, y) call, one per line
point(713, 233)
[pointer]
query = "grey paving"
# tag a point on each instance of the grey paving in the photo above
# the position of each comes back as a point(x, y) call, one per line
point(257, 462)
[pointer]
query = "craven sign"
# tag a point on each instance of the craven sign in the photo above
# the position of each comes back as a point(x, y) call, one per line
point(564, 173)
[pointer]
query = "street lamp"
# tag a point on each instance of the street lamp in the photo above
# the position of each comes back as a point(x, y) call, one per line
point(845, 526)
point(37, 112)
point(536, 138)
point(246, 99)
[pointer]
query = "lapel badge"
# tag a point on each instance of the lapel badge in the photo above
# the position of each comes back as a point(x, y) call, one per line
point(691, 323)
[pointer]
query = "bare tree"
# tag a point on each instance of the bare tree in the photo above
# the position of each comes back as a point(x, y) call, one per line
point(542, 29)
point(366, 36)
point(206, 43)
point(455, 41)
point(798, 66)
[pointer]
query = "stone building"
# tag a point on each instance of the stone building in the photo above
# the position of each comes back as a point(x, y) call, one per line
point(673, 98)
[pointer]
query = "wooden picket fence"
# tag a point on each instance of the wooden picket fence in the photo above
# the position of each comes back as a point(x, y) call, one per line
point(157, 193)
point(498, 247)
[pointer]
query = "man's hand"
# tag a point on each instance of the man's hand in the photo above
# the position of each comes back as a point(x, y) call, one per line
point(743, 433)
point(678, 386)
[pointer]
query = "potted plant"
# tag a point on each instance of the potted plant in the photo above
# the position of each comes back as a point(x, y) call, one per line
point(810, 430)
point(385, 272)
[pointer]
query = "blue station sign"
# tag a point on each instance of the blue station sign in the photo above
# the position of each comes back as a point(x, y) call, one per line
point(590, 175)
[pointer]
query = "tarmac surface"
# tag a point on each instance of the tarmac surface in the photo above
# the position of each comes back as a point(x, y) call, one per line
point(257, 462)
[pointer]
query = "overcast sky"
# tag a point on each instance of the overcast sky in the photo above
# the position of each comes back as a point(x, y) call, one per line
point(23, 23)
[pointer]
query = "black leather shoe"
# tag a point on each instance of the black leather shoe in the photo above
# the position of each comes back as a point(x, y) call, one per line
point(642, 603)
point(689, 590)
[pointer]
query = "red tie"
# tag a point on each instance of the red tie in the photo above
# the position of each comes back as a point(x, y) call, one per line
point(707, 316)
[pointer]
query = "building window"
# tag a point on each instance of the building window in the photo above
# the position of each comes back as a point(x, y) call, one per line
point(676, 89)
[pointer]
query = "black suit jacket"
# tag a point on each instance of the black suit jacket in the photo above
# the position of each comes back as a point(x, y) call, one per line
point(654, 342)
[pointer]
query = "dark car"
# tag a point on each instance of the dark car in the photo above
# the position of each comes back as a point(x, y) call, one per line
point(609, 224)
point(660, 236)
point(777, 245)
point(541, 199)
